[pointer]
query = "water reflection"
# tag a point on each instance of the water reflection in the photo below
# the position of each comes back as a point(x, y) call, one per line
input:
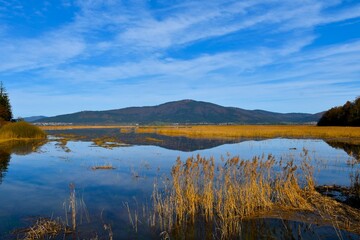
point(18, 148)
point(264, 228)
point(4, 163)
point(179, 143)
point(350, 148)
point(183, 144)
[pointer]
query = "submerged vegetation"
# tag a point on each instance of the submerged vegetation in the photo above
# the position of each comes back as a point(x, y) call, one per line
point(224, 195)
point(21, 130)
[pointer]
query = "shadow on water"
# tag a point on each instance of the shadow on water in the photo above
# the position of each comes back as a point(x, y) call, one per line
point(131, 138)
point(18, 148)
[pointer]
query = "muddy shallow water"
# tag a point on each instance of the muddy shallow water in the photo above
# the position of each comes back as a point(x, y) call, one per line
point(35, 179)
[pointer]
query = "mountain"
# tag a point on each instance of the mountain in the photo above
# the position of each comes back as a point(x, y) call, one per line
point(33, 118)
point(183, 112)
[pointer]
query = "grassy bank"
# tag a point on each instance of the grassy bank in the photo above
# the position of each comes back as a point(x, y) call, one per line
point(21, 130)
point(256, 131)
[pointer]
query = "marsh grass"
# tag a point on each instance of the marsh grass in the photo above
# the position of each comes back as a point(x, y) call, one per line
point(224, 195)
point(21, 130)
point(108, 142)
point(256, 131)
point(107, 166)
point(151, 139)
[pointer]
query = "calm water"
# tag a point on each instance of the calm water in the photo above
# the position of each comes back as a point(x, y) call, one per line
point(35, 178)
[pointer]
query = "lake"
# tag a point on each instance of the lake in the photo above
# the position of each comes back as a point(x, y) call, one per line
point(37, 179)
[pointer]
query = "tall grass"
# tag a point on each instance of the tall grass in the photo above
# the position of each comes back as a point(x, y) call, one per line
point(226, 194)
point(255, 131)
point(21, 130)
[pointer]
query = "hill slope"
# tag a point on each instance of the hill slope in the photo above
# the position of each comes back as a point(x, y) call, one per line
point(33, 118)
point(184, 111)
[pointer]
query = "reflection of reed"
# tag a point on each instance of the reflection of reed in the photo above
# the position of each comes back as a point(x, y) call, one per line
point(21, 147)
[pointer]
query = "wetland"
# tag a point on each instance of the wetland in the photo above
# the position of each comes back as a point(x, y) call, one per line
point(123, 184)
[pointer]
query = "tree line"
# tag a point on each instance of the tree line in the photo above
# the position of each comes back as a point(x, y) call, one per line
point(346, 115)
point(5, 107)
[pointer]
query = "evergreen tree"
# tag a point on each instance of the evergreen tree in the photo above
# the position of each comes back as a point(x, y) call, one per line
point(5, 107)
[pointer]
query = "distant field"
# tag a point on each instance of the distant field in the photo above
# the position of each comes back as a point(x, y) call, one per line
point(237, 131)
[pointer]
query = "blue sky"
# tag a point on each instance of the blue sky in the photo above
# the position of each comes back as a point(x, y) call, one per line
point(63, 56)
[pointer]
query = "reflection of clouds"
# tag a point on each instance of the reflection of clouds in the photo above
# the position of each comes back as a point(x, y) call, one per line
point(15, 147)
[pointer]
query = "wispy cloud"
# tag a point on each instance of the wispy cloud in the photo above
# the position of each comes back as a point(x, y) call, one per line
point(184, 49)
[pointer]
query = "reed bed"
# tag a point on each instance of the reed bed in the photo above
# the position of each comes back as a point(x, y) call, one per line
point(255, 131)
point(224, 195)
point(103, 167)
point(108, 142)
point(21, 130)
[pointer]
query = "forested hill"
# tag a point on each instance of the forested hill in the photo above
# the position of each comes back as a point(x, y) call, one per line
point(346, 115)
point(183, 112)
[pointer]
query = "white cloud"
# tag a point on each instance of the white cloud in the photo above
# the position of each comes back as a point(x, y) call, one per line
point(22, 55)
point(127, 47)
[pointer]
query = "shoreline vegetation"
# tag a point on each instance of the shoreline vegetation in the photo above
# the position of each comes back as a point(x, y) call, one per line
point(351, 134)
point(235, 190)
point(21, 131)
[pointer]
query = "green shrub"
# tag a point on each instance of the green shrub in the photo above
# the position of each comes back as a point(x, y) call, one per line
point(21, 130)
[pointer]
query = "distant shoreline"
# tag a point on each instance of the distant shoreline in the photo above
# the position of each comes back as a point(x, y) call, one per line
point(234, 131)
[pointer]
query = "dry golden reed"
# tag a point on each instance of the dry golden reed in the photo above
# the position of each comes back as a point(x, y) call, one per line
point(255, 131)
point(21, 130)
point(43, 228)
point(226, 194)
